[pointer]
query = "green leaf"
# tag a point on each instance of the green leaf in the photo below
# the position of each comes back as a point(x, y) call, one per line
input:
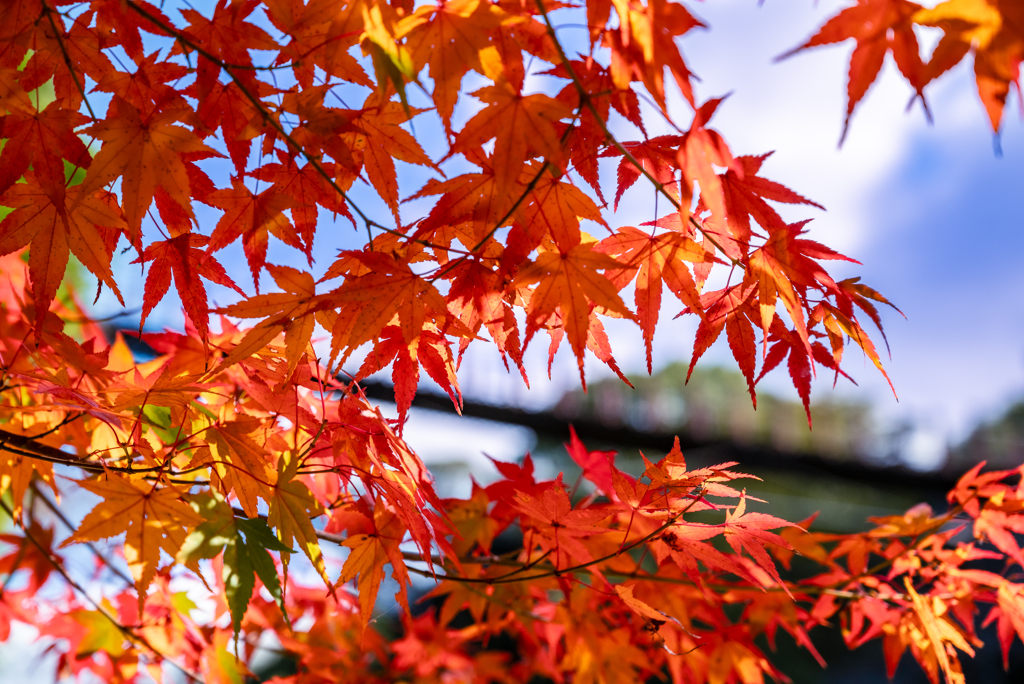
point(256, 530)
point(260, 538)
point(239, 580)
point(246, 543)
point(100, 633)
point(209, 538)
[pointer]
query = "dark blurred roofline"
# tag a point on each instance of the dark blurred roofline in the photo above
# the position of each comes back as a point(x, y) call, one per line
point(549, 426)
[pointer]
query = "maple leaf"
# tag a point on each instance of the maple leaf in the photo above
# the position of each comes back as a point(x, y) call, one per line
point(700, 151)
point(429, 349)
point(291, 509)
point(654, 617)
point(745, 194)
point(552, 523)
point(477, 298)
point(938, 632)
point(556, 208)
point(153, 517)
point(1010, 615)
point(644, 45)
point(147, 87)
point(878, 26)
point(27, 555)
point(291, 312)
point(469, 204)
point(228, 108)
point(600, 91)
point(719, 308)
point(523, 127)
point(853, 330)
point(995, 32)
point(856, 293)
point(17, 473)
point(470, 518)
point(449, 38)
point(145, 153)
point(654, 260)
point(13, 97)
point(54, 227)
point(245, 543)
point(380, 139)
point(597, 342)
point(114, 16)
point(220, 665)
point(370, 553)
point(597, 466)
point(64, 54)
point(570, 282)
point(43, 140)
point(750, 532)
point(253, 217)
point(181, 258)
point(799, 364)
point(239, 463)
point(226, 36)
point(657, 156)
point(305, 188)
point(785, 267)
point(320, 37)
point(371, 300)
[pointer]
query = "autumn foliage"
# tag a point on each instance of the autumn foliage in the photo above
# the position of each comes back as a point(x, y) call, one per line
point(228, 462)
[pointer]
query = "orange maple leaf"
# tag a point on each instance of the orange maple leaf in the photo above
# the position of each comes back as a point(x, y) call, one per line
point(995, 31)
point(429, 349)
point(644, 45)
point(370, 553)
point(43, 140)
point(54, 227)
point(469, 205)
point(154, 517)
point(145, 153)
point(570, 283)
point(379, 138)
point(291, 312)
point(182, 258)
point(239, 460)
point(878, 26)
point(369, 302)
point(253, 217)
point(655, 259)
point(523, 127)
point(745, 195)
point(292, 508)
point(550, 521)
point(449, 37)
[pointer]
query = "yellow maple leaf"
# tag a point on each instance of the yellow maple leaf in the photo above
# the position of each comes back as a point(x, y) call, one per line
point(153, 518)
point(292, 508)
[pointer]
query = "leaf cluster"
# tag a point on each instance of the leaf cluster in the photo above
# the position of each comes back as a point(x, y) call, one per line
point(238, 458)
